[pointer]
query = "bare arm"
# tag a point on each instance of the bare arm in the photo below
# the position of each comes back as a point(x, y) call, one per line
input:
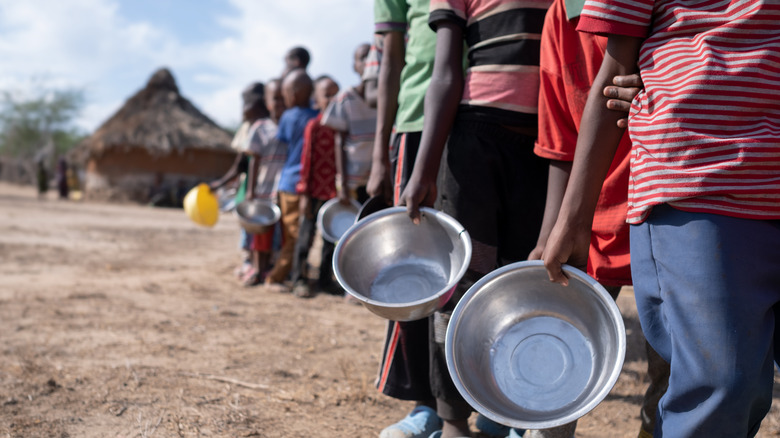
point(231, 174)
point(598, 139)
point(254, 166)
point(441, 106)
point(371, 92)
point(557, 179)
point(387, 105)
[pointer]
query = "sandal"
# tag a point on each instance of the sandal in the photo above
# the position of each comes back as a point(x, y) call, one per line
point(253, 278)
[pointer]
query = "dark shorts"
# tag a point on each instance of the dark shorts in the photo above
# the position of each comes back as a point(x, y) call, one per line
point(491, 182)
point(404, 371)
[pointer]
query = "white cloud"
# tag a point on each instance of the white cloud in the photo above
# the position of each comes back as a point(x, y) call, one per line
point(87, 43)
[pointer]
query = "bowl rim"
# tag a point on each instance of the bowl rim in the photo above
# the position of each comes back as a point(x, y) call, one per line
point(321, 217)
point(275, 208)
point(580, 411)
point(366, 221)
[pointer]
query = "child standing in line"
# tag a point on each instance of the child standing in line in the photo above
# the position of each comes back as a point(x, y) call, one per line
point(267, 155)
point(703, 198)
point(569, 63)
point(316, 186)
point(296, 91)
point(253, 109)
point(491, 181)
point(355, 122)
point(408, 45)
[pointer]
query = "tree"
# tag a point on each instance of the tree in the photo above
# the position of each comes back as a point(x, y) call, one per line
point(28, 124)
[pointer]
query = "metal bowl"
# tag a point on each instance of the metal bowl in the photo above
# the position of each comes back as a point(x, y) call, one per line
point(532, 354)
point(335, 218)
point(257, 216)
point(399, 270)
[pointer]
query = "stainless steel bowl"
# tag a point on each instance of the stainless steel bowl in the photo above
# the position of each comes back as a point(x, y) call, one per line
point(399, 270)
point(257, 216)
point(533, 354)
point(335, 218)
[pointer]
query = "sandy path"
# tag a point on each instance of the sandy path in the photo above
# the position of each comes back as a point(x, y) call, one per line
point(125, 321)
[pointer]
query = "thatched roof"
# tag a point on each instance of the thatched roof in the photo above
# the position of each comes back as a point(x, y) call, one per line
point(159, 119)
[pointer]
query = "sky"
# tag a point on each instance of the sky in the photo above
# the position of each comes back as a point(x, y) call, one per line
point(214, 48)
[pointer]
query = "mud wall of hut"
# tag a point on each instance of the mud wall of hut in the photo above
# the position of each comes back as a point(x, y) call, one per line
point(130, 174)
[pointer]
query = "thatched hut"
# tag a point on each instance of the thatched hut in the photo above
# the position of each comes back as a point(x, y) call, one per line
point(158, 138)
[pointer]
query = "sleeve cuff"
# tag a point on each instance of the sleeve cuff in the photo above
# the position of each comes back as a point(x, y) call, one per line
point(599, 26)
point(440, 15)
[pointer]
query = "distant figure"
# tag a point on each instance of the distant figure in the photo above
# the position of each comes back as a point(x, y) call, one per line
point(62, 178)
point(42, 177)
point(251, 97)
point(296, 90)
point(267, 156)
point(297, 57)
point(355, 122)
point(316, 186)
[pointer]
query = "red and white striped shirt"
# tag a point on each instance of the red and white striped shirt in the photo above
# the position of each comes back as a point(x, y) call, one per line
point(706, 129)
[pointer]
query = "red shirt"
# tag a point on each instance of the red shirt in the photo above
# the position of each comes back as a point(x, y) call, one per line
point(569, 63)
point(318, 161)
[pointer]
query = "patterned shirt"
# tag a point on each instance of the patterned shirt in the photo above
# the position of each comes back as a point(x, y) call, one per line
point(706, 128)
point(349, 113)
point(374, 58)
point(318, 161)
point(264, 146)
point(503, 37)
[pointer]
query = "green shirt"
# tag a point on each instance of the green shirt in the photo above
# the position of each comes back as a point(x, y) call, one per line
point(410, 17)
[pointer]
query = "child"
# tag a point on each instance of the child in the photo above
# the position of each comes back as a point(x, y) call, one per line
point(267, 155)
point(252, 110)
point(491, 181)
point(296, 91)
point(316, 186)
point(562, 97)
point(408, 47)
point(297, 57)
point(355, 122)
point(704, 199)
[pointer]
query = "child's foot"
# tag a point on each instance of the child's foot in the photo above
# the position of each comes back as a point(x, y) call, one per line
point(242, 269)
point(420, 423)
point(490, 428)
point(302, 290)
point(275, 287)
point(254, 278)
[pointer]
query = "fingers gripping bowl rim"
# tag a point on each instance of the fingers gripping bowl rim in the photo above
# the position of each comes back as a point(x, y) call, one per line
point(402, 271)
point(532, 354)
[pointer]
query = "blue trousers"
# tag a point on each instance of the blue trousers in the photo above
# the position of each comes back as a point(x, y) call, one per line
point(708, 291)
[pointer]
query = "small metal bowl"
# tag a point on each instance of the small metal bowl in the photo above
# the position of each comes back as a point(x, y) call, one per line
point(257, 216)
point(532, 354)
point(399, 270)
point(335, 218)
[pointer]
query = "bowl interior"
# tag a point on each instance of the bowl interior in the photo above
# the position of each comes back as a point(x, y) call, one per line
point(530, 353)
point(336, 218)
point(258, 211)
point(386, 259)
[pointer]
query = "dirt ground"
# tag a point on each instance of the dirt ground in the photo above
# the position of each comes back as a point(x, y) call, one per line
point(125, 321)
